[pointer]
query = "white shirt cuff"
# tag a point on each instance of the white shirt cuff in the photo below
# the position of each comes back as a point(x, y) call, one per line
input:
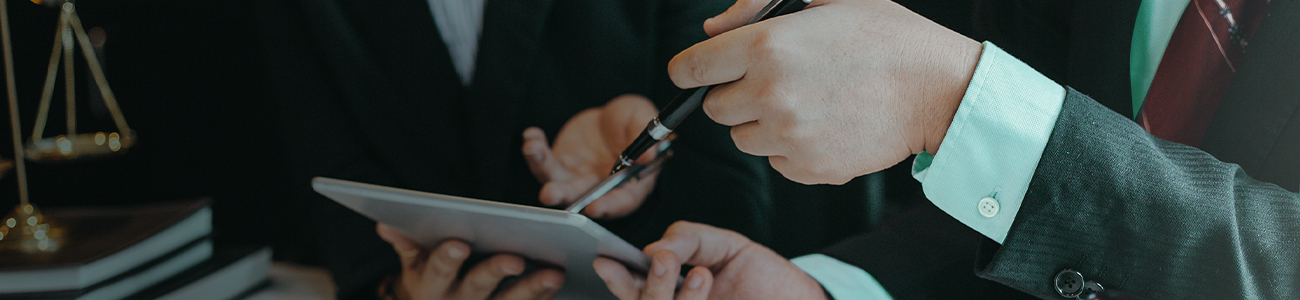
point(990, 152)
point(843, 281)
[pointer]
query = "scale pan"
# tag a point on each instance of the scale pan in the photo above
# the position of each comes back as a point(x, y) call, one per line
point(85, 146)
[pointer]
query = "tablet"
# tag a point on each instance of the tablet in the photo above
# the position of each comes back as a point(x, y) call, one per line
point(553, 236)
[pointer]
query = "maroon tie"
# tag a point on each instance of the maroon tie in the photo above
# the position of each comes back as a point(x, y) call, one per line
point(1197, 67)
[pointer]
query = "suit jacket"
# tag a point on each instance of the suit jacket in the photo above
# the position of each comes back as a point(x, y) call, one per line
point(1132, 212)
point(369, 94)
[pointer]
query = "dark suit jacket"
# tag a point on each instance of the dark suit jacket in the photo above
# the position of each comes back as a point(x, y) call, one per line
point(369, 94)
point(1132, 212)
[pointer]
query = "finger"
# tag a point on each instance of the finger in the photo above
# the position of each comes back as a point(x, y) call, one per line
point(662, 279)
point(731, 104)
point(407, 251)
point(442, 267)
point(697, 286)
point(723, 58)
point(566, 191)
point(623, 284)
point(535, 285)
point(799, 172)
point(548, 295)
point(755, 139)
point(541, 160)
point(484, 277)
point(621, 201)
point(624, 118)
point(735, 16)
point(699, 244)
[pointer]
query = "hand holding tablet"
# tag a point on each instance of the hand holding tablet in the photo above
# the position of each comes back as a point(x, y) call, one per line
point(550, 236)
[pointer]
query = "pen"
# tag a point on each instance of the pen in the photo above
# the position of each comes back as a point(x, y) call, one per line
point(618, 178)
point(690, 99)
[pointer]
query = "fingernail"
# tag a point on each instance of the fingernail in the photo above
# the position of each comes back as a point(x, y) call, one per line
point(695, 281)
point(512, 269)
point(455, 253)
point(659, 268)
point(550, 283)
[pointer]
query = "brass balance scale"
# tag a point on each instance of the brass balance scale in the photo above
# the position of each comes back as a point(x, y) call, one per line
point(25, 228)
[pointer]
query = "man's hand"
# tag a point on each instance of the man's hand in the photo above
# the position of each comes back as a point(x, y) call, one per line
point(840, 89)
point(728, 266)
point(431, 274)
point(586, 147)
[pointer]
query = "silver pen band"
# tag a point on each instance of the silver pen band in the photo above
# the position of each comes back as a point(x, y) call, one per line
point(657, 129)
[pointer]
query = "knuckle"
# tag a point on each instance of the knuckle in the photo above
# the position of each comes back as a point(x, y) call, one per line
point(769, 43)
point(699, 69)
point(441, 267)
point(742, 143)
point(680, 226)
point(787, 133)
point(712, 110)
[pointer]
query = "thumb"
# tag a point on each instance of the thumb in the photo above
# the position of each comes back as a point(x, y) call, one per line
point(700, 245)
point(736, 16)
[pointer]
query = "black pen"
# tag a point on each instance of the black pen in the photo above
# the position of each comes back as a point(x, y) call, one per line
point(690, 99)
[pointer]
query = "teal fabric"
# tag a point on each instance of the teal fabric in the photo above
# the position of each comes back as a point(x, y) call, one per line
point(998, 133)
point(993, 144)
point(996, 140)
point(1156, 20)
point(843, 281)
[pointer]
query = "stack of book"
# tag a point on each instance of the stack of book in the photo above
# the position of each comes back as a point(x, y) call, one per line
point(143, 252)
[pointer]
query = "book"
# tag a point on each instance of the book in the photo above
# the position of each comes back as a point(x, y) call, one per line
point(231, 273)
point(111, 252)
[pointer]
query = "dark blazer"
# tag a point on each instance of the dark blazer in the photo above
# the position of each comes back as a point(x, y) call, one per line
point(369, 94)
point(1132, 212)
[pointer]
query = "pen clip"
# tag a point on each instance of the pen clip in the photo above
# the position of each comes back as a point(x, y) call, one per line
point(631, 174)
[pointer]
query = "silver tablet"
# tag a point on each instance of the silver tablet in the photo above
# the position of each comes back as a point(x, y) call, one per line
point(554, 236)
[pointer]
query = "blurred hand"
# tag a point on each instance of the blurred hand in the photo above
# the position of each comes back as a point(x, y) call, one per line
point(727, 266)
point(431, 274)
point(585, 149)
point(840, 89)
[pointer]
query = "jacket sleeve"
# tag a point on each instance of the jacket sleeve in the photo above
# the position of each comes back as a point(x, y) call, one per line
point(1155, 219)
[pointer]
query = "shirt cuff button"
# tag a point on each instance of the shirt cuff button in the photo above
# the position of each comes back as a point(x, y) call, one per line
point(989, 207)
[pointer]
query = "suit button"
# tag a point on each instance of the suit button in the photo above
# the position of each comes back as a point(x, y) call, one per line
point(1069, 283)
point(989, 207)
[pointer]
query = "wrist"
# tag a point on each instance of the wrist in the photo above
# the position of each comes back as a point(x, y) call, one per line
point(957, 69)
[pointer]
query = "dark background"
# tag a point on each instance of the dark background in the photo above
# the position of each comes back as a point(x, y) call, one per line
point(187, 76)
point(190, 79)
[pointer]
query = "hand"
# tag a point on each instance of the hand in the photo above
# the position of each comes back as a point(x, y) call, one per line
point(585, 149)
point(728, 266)
point(432, 274)
point(840, 89)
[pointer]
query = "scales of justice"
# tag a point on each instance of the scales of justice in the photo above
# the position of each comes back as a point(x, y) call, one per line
point(25, 228)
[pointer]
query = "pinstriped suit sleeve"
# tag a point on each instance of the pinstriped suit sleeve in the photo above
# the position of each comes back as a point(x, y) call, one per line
point(1155, 219)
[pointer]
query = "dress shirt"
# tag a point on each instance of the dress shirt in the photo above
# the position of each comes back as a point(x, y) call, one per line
point(460, 22)
point(992, 147)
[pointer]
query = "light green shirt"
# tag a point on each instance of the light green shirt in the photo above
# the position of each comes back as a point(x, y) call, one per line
point(993, 145)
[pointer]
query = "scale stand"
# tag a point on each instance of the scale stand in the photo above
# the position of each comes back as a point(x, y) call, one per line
point(25, 228)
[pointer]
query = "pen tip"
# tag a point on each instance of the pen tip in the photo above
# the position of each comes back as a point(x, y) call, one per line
point(617, 167)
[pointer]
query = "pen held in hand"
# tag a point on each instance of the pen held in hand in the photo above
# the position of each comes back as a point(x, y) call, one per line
point(617, 179)
point(690, 99)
